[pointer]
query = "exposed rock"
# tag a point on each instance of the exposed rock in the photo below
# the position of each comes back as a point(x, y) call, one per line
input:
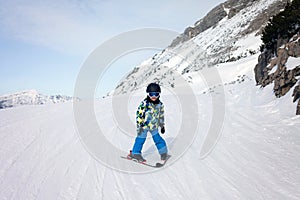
point(284, 80)
point(236, 6)
point(262, 19)
point(229, 9)
point(296, 95)
point(211, 19)
point(294, 46)
point(263, 61)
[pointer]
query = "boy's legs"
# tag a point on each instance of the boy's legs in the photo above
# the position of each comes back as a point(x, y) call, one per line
point(139, 142)
point(159, 142)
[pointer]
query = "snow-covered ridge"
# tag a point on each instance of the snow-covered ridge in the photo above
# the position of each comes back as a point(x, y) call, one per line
point(30, 97)
point(224, 42)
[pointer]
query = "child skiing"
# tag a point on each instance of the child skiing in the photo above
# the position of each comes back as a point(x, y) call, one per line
point(150, 117)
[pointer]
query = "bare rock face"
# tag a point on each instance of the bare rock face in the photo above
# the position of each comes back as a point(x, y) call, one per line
point(284, 79)
point(296, 95)
point(294, 46)
point(211, 19)
point(260, 68)
point(229, 9)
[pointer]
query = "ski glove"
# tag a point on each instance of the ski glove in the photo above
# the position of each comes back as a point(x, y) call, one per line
point(162, 129)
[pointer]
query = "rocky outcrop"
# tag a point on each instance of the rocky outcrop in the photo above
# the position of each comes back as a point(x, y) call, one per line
point(229, 9)
point(211, 19)
point(259, 70)
point(296, 95)
point(273, 69)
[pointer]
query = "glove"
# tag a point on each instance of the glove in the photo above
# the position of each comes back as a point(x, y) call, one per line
point(162, 129)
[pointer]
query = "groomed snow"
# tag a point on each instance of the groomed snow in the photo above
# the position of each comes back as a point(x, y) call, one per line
point(256, 157)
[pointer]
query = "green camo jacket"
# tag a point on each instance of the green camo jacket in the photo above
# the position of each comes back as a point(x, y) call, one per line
point(150, 115)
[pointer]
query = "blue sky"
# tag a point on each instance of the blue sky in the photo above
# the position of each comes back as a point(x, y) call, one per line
point(43, 44)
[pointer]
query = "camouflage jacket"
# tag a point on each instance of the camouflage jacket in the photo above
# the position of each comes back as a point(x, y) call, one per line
point(150, 115)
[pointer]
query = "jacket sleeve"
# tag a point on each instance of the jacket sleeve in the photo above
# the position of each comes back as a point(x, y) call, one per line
point(162, 116)
point(140, 115)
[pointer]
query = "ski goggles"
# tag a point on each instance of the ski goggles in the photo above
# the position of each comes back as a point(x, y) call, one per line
point(153, 94)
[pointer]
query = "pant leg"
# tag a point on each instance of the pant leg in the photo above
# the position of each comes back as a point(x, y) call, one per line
point(139, 142)
point(159, 142)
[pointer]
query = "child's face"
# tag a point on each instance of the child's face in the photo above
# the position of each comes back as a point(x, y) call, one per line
point(153, 98)
point(153, 95)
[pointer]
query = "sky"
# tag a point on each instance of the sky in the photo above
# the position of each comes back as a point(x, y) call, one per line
point(43, 44)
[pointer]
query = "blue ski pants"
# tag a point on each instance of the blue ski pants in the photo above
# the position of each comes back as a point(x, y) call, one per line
point(158, 140)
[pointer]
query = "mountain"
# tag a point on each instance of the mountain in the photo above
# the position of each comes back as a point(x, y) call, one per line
point(219, 37)
point(231, 31)
point(30, 97)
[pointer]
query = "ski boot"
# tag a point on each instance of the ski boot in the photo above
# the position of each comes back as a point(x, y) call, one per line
point(164, 156)
point(136, 157)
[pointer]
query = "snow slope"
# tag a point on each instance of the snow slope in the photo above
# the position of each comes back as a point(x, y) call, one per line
point(256, 157)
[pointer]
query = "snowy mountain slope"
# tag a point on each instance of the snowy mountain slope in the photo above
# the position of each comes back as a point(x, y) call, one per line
point(218, 44)
point(256, 157)
point(30, 97)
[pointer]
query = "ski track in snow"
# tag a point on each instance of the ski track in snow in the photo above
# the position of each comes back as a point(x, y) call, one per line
point(256, 157)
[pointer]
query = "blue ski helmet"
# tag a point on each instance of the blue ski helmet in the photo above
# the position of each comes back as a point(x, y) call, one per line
point(153, 87)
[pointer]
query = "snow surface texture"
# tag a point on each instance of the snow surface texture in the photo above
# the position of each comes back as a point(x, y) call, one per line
point(256, 157)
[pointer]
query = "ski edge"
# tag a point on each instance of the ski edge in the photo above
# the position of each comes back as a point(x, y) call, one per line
point(157, 165)
point(142, 163)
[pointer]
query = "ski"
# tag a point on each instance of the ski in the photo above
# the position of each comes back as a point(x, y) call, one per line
point(157, 165)
point(142, 163)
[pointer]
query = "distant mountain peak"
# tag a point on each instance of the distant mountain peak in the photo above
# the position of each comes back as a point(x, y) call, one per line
point(30, 97)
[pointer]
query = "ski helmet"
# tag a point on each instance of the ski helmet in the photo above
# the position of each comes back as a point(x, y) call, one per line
point(153, 87)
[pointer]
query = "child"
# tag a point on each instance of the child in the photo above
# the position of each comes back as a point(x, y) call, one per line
point(150, 117)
